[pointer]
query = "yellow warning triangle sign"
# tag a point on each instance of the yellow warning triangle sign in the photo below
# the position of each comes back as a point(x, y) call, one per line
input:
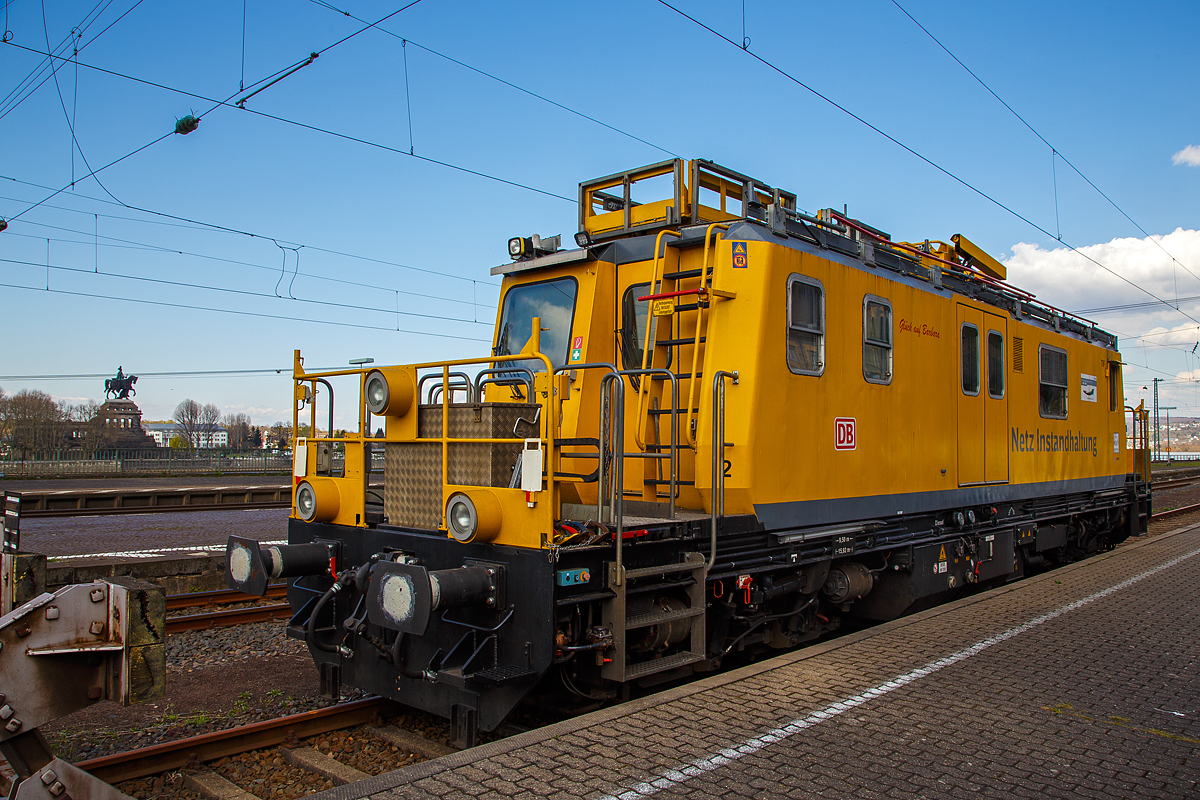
point(942, 557)
point(739, 247)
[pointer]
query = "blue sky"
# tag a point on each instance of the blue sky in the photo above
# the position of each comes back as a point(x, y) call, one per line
point(338, 226)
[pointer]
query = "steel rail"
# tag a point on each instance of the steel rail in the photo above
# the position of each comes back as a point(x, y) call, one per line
point(219, 597)
point(228, 618)
point(210, 746)
point(1174, 512)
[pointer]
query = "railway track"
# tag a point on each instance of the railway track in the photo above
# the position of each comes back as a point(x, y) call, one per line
point(224, 618)
point(287, 732)
point(196, 754)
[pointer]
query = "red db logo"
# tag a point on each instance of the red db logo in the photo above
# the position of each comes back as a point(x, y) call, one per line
point(844, 437)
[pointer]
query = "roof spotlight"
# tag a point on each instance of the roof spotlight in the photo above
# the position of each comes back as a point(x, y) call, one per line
point(518, 246)
point(521, 248)
point(581, 239)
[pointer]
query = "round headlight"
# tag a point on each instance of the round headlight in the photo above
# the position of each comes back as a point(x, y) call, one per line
point(306, 502)
point(970, 516)
point(461, 517)
point(317, 500)
point(377, 392)
point(389, 391)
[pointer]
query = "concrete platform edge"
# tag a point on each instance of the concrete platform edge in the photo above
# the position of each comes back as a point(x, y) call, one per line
point(416, 772)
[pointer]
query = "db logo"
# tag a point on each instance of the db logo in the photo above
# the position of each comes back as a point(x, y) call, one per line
point(844, 437)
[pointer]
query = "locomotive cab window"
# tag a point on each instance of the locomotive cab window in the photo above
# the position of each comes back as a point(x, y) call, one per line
point(554, 302)
point(1052, 382)
point(806, 326)
point(634, 314)
point(970, 359)
point(995, 365)
point(1115, 395)
point(877, 340)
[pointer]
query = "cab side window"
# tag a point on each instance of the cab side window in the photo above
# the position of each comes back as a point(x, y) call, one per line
point(634, 314)
point(877, 340)
point(1052, 382)
point(806, 325)
point(995, 365)
point(970, 359)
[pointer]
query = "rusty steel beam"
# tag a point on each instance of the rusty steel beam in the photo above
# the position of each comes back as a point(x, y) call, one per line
point(80, 502)
point(228, 618)
point(210, 746)
point(91, 512)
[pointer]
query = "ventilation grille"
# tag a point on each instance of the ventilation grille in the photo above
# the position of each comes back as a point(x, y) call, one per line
point(1018, 354)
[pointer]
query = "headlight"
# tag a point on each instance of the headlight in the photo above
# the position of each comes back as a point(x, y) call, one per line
point(377, 392)
point(461, 517)
point(306, 502)
point(518, 246)
point(389, 392)
point(317, 500)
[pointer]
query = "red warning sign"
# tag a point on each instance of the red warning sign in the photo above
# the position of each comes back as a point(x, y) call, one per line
point(740, 259)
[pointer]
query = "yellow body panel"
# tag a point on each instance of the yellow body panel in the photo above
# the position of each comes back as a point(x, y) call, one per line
point(924, 436)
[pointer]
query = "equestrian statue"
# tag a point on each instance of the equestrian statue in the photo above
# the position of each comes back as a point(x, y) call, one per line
point(121, 386)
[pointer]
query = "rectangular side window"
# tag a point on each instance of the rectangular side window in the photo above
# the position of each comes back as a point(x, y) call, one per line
point(877, 340)
point(1116, 395)
point(1052, 382)
point(632, 336)
point(970, 359)
point(806, 326)
point(995, 365)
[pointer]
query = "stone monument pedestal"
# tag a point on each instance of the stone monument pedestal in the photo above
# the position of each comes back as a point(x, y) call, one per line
point(122, 422)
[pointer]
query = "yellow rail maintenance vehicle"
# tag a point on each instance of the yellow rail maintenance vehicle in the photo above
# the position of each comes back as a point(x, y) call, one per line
point(717, 426)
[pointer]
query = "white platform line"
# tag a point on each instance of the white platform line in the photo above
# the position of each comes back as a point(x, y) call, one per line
point(153, 552)
point(671, 778)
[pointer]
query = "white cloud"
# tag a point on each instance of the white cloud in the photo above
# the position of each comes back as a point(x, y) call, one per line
point(1152, 335)
point(1067, 279)
point(1189, 155)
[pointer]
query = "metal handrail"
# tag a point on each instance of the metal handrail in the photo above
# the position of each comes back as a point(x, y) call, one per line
point(612, 441)
point(613, 417)
point(704, 284)
point(718, 458)
point(647, 353)
point(480, 381)
point(464, 384)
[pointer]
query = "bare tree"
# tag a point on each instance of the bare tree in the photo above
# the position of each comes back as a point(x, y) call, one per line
point(32, 419)
point(3, 417)
point(187, 417)
point(281, 436)
point(210, 417)
point(238, 426)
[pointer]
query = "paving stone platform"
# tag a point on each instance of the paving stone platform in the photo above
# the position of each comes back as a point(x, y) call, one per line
point(1082, 682)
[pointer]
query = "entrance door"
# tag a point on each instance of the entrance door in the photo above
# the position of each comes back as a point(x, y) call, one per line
point(982, 397)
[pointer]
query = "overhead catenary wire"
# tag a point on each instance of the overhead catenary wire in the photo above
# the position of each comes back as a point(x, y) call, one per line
point(70, 118)
point(226, 102)
point(498, 79)
point(227, 290)
point(134, 245)
point(185, 222)
point(237, 312)
point(194, 373)
point(1055, 153)
point(217, 103)
point(963, 182)
point(9, 103)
